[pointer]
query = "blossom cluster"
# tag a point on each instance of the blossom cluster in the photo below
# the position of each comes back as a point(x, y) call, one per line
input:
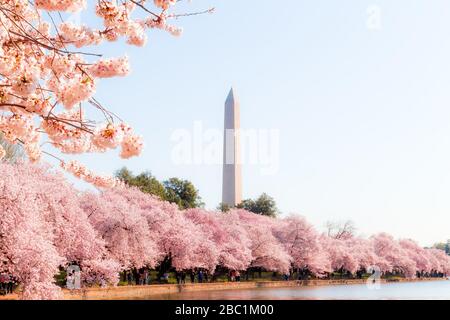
point(47, 81)
point(80, 171)
point(47, 224)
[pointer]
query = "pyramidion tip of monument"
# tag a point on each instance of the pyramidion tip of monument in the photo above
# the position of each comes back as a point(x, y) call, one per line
point(231, 95)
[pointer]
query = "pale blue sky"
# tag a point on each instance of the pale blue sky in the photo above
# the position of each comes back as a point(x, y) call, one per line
point(364, 115)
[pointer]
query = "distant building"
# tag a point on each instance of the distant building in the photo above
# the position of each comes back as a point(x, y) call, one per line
point(232, 173)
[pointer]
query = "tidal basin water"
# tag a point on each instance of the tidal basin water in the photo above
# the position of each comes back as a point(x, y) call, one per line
point(427, 290)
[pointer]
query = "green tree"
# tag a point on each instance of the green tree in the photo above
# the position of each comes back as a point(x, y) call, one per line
point(440, 246)
point(125, 175)
point(443, 246)
point(264, 205)
point(183, 193)
point(145, 181)
point(224, 207)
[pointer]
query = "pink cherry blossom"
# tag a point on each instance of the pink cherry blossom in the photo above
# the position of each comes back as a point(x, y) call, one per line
point(395, 257)
point(340, 254)
point(110, 68)
point(42, 228)
point(302, 243)
point(47, 225)
point(417, 254)
point(228, 237)
point(132, 145)
point(122, 226)
point(165, 4)
point(81, 172)
point(49, 76)
point(267, 251)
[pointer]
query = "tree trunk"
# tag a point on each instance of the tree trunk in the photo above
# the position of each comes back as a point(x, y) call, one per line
point(165, 266)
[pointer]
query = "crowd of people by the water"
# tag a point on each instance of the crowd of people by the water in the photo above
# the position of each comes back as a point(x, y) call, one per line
point(143, 276)
point(138, 277)
point(108, 233)
point(7, 284)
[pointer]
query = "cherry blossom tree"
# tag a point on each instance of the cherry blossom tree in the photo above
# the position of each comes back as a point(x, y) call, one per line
point(363, 251)
point(267, 251)
point(392, 256)
point(27, 249)
point(340, 229)
point(123, 227)
point(43, 228)
point(181, 243)
point(47, 225)
point(228, 236)
point(440, 261)
point(236, 253)
point(301, 242)
point(417, 254)
point(342, 258)
point(48, 79)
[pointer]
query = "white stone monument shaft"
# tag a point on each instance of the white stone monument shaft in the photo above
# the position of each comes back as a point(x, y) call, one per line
point(232, 175)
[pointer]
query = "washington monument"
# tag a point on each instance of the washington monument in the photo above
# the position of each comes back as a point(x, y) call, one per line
point(232, 176)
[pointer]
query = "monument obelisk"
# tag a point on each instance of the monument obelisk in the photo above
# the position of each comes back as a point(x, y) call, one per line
point(232, 175)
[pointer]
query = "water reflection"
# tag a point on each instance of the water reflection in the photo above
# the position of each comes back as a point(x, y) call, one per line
point(435, 290)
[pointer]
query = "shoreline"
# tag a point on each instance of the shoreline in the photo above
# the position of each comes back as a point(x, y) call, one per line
point(139, 292)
